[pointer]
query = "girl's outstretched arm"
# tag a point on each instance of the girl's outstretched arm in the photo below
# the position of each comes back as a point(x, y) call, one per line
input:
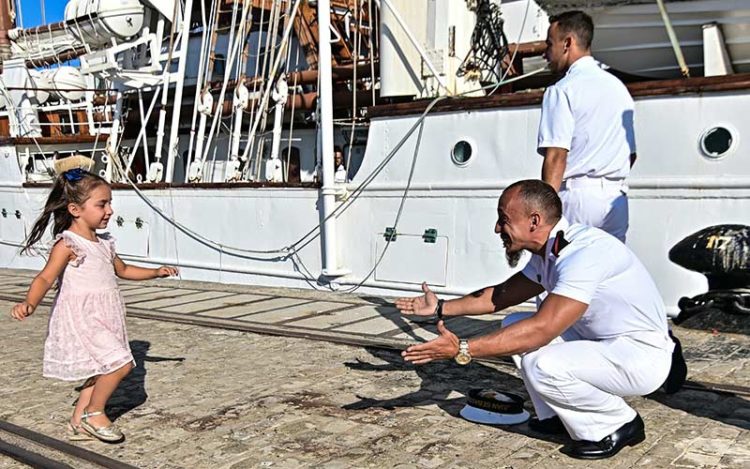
point(131, 272)
point(59, 257)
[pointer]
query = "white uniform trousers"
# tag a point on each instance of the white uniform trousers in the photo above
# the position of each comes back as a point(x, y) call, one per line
point(584, 381)
point(596, 202)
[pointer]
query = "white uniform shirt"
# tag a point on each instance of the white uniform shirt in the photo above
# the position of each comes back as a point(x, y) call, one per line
point(589, 112)
point(597, 269)
point(340, 174)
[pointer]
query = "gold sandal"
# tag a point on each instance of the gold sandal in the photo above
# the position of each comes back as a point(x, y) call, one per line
point(76, 433)
point(109, 434)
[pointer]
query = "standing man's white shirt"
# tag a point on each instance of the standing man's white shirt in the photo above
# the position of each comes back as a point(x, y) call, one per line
point(619, 347)
point(589, 112)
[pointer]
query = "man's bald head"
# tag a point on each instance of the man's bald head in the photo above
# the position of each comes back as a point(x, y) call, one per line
point(535, 196)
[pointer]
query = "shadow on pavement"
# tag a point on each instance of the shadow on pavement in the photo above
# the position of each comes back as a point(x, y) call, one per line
point(699, 400)
point(463, 326)
point(438, 381)
point(131, 392)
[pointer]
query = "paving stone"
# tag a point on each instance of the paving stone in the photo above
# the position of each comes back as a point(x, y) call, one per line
point(287, 309)
point(331, 320)
point(143, 291)
point(187, 297)
point(371, 327)
point(695, 459)
point(215, 303)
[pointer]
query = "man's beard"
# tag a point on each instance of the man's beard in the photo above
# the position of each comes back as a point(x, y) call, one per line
point(513, 257)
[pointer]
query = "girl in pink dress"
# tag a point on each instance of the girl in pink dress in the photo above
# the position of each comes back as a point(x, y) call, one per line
point(87, 339)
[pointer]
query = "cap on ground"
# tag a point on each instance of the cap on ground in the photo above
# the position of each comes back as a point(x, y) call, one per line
point(492, 407)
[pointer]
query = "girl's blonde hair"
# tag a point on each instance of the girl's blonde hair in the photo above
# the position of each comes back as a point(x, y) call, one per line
point(71, 187)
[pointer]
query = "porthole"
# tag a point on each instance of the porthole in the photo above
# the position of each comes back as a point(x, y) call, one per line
point(461, 153)
point(716, 142)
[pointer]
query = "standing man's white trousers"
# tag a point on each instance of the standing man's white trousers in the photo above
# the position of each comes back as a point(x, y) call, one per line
point(584, 381)
point(597, 202)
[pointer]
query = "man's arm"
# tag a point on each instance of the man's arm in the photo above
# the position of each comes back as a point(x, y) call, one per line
point(513, 291)
point(517, 289)
point(556, 314)
point(553, 168)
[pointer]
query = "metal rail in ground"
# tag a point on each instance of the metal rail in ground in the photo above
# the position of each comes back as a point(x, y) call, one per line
point(38, 460)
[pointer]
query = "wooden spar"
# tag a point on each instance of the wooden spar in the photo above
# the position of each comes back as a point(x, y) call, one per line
point(527, 49)
point(54, 59)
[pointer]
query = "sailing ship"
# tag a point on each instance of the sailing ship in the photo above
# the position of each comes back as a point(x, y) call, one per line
point(216, 122)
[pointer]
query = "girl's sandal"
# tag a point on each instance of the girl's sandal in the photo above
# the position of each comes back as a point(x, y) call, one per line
point(109, 434)
point(76, 433)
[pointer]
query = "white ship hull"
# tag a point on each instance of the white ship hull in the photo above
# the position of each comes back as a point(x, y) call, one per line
point(675, 190)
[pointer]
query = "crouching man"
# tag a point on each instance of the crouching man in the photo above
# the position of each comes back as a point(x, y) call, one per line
point(600, 334)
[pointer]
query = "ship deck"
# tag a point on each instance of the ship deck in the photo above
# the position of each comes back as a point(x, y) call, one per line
point(241, 376)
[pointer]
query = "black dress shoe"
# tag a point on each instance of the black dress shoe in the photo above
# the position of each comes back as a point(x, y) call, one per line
point(550, 426)
point(678, 370)
point(629, 434)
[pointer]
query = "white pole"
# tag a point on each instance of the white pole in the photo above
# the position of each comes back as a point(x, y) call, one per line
point(174, 137)
point(280, 95)
point(325, 91)
point(673, 39)
point(162, 112)
point(237, 127)
point(113, 139)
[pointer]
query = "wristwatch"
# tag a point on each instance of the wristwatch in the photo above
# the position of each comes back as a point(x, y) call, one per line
point(439, 310)
point(463, 357)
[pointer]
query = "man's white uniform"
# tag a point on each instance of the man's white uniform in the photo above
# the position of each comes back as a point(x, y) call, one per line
point(619, 347)
point(589, 112)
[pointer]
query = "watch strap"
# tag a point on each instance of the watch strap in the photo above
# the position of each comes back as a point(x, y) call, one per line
point(439, 310)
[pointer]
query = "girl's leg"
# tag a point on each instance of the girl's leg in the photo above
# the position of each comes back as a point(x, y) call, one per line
point(103, 389)
point(83, 400)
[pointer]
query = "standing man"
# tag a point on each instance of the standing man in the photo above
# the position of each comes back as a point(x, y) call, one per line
point(586, 130)
point(599, 335)
point(339, 165)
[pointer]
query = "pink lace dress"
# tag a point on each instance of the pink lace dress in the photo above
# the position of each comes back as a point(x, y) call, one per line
point(86, 335)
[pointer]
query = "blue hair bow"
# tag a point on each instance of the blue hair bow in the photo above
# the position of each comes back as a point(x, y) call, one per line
point(73, 175)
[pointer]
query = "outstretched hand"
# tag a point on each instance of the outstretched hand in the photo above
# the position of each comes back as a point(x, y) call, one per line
point(444, 347)
point(21, 310)
point(167, 271)
point(424, 305)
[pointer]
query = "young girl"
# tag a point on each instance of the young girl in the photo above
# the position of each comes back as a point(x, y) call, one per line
point(86, 339)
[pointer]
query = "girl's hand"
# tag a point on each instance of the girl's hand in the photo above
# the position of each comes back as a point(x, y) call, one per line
point(21, 310)
point(166, 271)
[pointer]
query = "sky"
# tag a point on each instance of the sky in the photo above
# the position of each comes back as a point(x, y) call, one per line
point(31, 12)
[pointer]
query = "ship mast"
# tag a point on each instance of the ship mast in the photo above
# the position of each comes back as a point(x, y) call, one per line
point(5, 25)
point(325, 129)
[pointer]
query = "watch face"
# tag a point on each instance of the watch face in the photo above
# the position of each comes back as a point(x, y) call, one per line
point(463, 358)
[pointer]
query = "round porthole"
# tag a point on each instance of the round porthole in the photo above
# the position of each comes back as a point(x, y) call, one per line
point(716, 142)
point(461, 153)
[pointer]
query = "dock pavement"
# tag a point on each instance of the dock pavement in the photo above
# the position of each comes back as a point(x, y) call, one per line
point(233, 376)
